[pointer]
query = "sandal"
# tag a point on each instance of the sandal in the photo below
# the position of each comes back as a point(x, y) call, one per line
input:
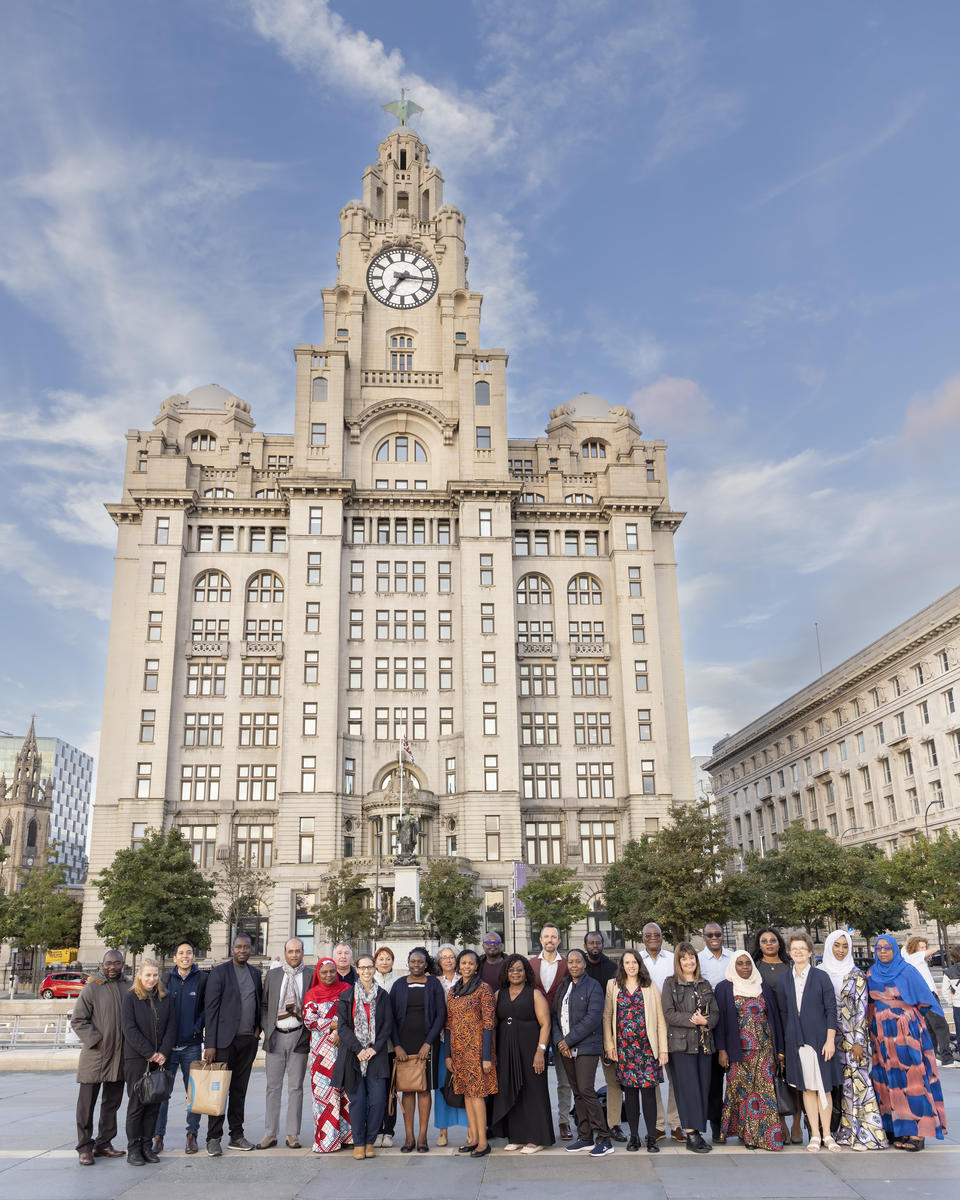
point(830, 1144)
point(911, 1144)
point(813, 1144)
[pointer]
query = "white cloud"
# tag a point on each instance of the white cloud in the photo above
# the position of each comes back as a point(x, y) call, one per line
point(933, 420)
point(673, 407)
point(49, 581)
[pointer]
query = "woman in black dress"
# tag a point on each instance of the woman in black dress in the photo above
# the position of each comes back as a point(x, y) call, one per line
point(521, 1108)
point(419, 1012)
point(770, 954)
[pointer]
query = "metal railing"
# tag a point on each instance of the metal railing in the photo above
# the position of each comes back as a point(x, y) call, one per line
point(50, 1030)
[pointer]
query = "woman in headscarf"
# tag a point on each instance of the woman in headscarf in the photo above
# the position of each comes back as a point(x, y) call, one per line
point(468, 1045)
point(330, 1108)
point(860, 1125)
point(904, 1070)
point(362, 1069)
point(749, 1038)
point(443, 1114)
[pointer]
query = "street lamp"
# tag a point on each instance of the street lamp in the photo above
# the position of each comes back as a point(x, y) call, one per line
point(938, 802)
point(849, 829)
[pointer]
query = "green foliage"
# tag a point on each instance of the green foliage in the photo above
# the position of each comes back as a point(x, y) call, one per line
point(241, 891)
point(928, 872)
point(553, 897)
point(42, 913)
point(448, 902)
point(342, 911)
point(155, 895)
point(674, 877)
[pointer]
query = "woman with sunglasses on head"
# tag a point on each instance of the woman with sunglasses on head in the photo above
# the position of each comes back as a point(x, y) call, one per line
point(904, 1072)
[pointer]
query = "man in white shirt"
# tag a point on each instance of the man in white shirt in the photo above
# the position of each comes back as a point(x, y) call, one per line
point(714, 958)
point(549, 971)
point(659, 964)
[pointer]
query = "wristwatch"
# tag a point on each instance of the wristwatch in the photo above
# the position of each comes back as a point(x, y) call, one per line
point(541, 1046)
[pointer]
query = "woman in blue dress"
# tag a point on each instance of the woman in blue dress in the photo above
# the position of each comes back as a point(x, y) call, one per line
point(443, 1115)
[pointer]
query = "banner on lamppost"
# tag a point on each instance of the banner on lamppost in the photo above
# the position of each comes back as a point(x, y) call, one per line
point(519, 879)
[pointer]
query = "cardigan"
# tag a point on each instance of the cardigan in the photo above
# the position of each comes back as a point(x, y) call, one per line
point(727, 1033)
point(346, 1070)
point(586, 1015)
point(434, 1007)
point(652, 1014)
point(809, 1025)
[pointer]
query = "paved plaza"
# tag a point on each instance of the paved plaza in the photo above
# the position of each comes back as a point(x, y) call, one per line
point(38, 1162)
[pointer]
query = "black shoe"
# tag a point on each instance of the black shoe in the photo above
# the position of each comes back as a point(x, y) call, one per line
point(135, 1155)
point(696, 1143)
point(214, 1149)
point(634, 1143)
point(464, 1149)
point(652, 1147)
point(408, 1147)
point(480, 1153)
point(617, 1134)
point(148, 1153)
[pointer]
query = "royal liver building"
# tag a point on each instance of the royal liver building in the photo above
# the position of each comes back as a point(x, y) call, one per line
point(288, 608)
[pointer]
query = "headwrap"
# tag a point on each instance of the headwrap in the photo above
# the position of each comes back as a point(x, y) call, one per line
point(744, 987)
point(321, 992)
point(837, 968)
point(900, 975)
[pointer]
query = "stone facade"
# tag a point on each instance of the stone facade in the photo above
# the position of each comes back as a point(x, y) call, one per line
point(870, 751)
point(286, 607)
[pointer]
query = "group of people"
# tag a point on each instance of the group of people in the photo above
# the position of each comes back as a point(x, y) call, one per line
point(743, 1040)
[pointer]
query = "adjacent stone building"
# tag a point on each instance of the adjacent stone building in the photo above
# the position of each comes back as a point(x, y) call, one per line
point(288, 607)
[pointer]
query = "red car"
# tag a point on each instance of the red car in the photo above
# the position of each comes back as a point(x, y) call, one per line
point(62, 985)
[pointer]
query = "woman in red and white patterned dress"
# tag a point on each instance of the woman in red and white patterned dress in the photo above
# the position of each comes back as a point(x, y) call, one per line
point(330, 1109)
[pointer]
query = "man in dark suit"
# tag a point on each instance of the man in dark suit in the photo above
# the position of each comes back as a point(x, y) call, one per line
point(232, 1017)
point(287, 1043)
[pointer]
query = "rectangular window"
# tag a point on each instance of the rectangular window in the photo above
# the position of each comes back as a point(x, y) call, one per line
point(308, 773)
point(906, 759)
point(312, 619)
point(445, 625)
point(419, 528)
point(537, 679)
point(306, 839)
point(151, 674)
point(487, 622)
point(154, 626)
point(443, 532)
point(541, 781)
point(923, 709)
point(633, 578)
point(591, 544)
point(259, 729)
point(316, 519)
point(225, 539)
point(446, 722)
point(541, 543)
point(419, 625)
point(148, 722)
point(254, 845)
point(483, 437)
point(492, 824)
point(949, 702)
point(932, 760)
point(162, 531)
point(861, 743)
point(158, 577)
point(400, 531)
point(381, 724)
point(542, 841)
point(313, 570)
point(490, 773)
point(199, 782)
point(318, 437)
point(843, 751)
point(445, 681)
point(419, 727)
point(444, 577)
point(488, 666)
point(357, 531)
point(900, 723)
point(571, 543)
point(400, 723)
point(636, 624)
point(595, 781)
point(258, 539)
point(383, 576)
point(865, 778)
point(640, 675)
point(451, 775)
point(539, 729)
point(203, 729)
point(648, 777)
point(646, 729)
point(355, 673)
point(310, 718)
point(419, 577)
point(521, 543)
point(311, 666)
point(633, 542)
point(589, 679)
point(486, 570)
point(419, 675)
point(349, 776)
point(591, 729)
point(597, 842)
point(355, 629)
point(400, 625)
point(206, 679)
point(354, 722)
point(144, 771)
point(490, 718)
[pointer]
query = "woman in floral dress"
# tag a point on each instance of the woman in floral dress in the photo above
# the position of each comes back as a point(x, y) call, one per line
point(861, 1127)
point(635, 1038)
point(749, 1037)
point(320, 1017)
point(904, 1071)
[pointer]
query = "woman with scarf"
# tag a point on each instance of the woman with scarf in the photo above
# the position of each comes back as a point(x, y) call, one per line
point(860, 1125)
point(808, 1010)
point(443, 1114)
point(904, 1071)
point(749, 1039)
point(320, 1017)
point(362, 1069)
point(468, 1042)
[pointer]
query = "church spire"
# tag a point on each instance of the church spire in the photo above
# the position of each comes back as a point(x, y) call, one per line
point(26, 774)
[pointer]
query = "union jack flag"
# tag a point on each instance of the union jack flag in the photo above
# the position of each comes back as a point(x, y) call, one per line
point(405, 747)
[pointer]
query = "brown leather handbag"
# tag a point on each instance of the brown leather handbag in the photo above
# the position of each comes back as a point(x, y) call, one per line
point(408, 1076)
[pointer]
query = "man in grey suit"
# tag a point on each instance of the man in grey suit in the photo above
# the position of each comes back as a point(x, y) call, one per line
point(286, 1043)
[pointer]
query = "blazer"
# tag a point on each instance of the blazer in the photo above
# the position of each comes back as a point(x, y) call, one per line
point(727, 1033)
point(346, 1070)
point(680, 1002)
point(148, 1026)
point(586, 1015)
point(268, 1007)
point(560, 976)
point(222, 1004)
point(434, 1007)
point(808, 1025)
point(652, 1013)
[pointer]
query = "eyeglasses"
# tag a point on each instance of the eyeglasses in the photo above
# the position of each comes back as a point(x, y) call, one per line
point(493, 942)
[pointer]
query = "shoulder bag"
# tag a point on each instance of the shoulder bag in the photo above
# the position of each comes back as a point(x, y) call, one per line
point(153, 1087)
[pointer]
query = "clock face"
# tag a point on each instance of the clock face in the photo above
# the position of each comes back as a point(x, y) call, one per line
point(402, 278)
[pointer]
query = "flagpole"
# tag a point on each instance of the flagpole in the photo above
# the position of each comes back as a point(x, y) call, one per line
point(400, 769)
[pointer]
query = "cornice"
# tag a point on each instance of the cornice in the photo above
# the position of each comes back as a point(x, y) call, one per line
point(333, 488)
point(488, 489)
point(125, 514)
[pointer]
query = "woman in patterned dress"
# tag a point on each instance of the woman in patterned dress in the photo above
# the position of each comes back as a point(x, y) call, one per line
point(904, 1072)
point(861, 1127)
point(749, 1038)
point(320, 1017)
point(635, 1038)
point(468, 1039)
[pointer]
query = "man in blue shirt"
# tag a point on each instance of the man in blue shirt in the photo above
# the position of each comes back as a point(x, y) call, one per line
point(186, 985)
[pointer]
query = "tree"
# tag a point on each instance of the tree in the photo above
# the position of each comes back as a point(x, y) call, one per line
point(674, 877)
point(553, 897)
point(241, 890)
point(447, 900)
point(42, 913)
point(342, 911)
point(155, 895)
point(928, 872)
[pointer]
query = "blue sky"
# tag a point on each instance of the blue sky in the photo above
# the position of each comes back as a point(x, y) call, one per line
point(737, 218)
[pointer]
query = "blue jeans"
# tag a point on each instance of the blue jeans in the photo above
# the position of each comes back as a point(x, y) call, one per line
point(367, 1105)
point(180, 1060)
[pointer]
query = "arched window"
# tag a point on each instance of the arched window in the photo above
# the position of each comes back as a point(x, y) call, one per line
point(594, 449)
point(7, 832)
point(266, 494)
point(584, 589)
point(265, 588)
point(218, 494)
point(203, 441)
point(400, 352)
point(578, 498)
point(534, 589)
point(531, 498)
point(481, 392)
point(320, 389)
point(212, 587)
point(409, 780)
point(32, 835)
point(401, 449)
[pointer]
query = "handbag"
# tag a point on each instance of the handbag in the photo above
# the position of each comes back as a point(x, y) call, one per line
point(451, 1098)
point(788, 1100)
point(407, 1076)
point(153, 1087)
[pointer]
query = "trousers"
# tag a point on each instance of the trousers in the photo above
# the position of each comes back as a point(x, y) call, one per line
point(367, 1105)
point(238, 1056)
point(141, 1118)
point(564, 1095)
point(283, 1061)
point(581, 1076)
point(180, 1060)
point(670, 1120)
point(691, 1080)
point(614, 1095)
point(109, 1103)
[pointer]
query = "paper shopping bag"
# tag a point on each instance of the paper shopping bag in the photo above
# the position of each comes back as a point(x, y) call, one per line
point(209, 1085)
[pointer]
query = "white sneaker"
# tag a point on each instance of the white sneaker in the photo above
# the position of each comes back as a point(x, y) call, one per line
point(386, 1140)
point(530, 1148)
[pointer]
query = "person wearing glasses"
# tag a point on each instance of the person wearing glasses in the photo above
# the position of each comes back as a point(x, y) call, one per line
point(492, 960)
point(444, 1115)
point(362, 1069)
